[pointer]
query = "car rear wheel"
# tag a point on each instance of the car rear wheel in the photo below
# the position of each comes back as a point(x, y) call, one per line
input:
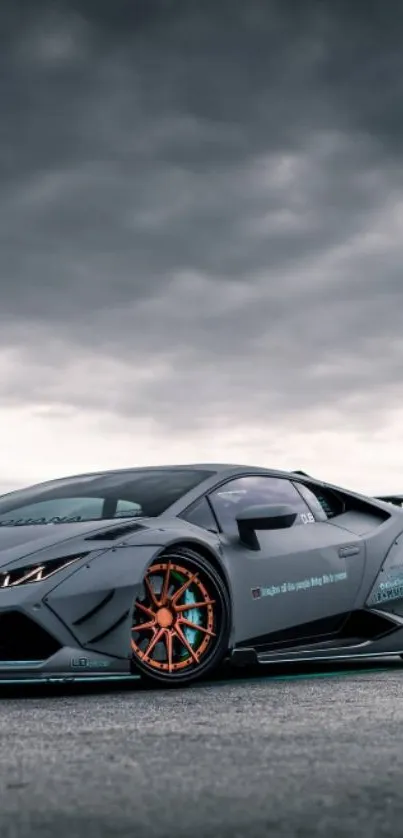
point(181, 623)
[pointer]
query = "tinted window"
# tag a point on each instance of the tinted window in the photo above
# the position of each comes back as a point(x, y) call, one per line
point(118, 494)
point(237, 495)
point(323, 502)
point(201, 515)
point(50, 511)
point(312, 502)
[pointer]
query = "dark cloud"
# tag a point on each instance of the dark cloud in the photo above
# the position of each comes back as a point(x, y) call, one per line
point(200, 208)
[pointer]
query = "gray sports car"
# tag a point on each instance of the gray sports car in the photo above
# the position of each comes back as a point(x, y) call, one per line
point(168, 571)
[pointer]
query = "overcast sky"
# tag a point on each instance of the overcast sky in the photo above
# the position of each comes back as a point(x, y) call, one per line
point(201, 223)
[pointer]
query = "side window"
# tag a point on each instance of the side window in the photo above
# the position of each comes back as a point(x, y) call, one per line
point(312, 501)
point(324, 504)
point(127, 509)
point(237, 495)
point(200, 514)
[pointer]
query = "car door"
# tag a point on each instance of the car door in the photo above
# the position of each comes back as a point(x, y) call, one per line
point(305, 573)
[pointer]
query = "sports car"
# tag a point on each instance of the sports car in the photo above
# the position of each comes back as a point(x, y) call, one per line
point(167, 572)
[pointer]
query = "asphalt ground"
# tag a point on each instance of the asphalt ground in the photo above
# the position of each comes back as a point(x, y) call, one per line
point(297, 753)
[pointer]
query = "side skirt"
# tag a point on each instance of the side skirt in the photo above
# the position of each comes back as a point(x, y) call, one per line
point(361, 634)
point(240, 658)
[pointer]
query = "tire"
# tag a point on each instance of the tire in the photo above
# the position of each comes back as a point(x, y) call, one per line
point(166, 649)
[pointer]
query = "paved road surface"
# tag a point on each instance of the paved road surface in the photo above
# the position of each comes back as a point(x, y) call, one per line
point(302, 756)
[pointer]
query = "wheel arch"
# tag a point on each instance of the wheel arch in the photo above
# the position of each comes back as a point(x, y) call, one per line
point(209, 555)
point(204, 551)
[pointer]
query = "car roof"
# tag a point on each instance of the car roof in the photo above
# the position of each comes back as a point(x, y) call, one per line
point(219, 468)
point(215, 472)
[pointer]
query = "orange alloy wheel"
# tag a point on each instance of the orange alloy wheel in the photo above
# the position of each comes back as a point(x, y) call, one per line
point(175, 624)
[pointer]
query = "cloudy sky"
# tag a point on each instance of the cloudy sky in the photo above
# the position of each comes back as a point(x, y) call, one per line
point(201, 223)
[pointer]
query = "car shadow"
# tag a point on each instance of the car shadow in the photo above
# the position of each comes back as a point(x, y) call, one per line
point(224, 676)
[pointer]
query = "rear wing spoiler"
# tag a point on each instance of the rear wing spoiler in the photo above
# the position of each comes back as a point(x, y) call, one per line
point(396, 500)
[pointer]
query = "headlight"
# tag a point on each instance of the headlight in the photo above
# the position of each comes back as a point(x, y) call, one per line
point(37, 572)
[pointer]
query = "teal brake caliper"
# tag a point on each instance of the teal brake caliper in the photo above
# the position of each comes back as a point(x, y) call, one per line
point(193, 615)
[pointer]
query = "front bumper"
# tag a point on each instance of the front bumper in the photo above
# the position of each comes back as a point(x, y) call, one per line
point(77, 624)
point(67, 665)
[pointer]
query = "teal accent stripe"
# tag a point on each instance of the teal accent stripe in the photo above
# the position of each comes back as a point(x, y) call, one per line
point(25, 664)
point(63, 679)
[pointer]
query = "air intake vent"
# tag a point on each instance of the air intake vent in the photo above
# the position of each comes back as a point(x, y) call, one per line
point(112, 533)
point(23, 640)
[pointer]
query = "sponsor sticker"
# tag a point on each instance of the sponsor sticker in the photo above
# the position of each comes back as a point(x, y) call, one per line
point(300, 585)
point(87, 663)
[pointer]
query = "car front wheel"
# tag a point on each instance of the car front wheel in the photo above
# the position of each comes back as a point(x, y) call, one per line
point(181, 624)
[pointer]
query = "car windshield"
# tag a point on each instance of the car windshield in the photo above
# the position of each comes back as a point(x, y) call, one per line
point(126, 494)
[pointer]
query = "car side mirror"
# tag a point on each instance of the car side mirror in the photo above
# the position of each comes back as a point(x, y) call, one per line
point(270, 517)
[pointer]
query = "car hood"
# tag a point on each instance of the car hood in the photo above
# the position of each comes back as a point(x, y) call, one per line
point(21, 541)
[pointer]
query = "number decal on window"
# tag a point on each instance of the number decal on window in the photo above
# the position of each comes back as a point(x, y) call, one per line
point(307, 517)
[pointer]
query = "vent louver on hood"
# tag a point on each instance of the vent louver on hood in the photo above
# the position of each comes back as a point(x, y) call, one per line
point(112, 533)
